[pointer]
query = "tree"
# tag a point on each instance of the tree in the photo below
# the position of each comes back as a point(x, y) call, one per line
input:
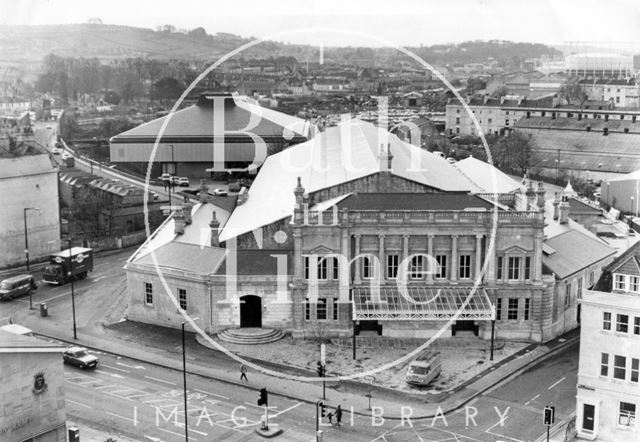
point(166, 88)
point(112, 97)
point(512, 153)
point(114, 126)
point(573, 93)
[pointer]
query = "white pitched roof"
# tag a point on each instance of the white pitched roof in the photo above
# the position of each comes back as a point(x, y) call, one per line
point(343, 153)
point(486, 177)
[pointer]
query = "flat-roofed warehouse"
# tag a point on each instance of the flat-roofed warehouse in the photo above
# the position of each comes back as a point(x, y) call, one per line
point(188, 146)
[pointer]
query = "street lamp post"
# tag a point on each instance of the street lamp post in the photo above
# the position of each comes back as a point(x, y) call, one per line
point(73, 296)
point(184, 386)
point(26, 246)
point(173, 160)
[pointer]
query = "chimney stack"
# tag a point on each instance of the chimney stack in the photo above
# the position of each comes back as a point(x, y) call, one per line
point(214, 225)
point(385, 158)
point(564, 210)
point(179, 222)
point(541, 193)
point(556, 203)
point(204, 192)
point(531, 197)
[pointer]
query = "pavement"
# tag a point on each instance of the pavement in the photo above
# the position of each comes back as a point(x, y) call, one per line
point(162, 346)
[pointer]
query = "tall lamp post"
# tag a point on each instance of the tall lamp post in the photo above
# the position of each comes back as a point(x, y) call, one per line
point(173, 160)
point(184, 386)
point(73, 297)
point(26, 246)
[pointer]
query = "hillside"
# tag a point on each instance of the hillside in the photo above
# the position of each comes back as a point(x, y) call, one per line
point(106, 42)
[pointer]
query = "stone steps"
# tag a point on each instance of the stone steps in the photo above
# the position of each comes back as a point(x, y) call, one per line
point(250, 336)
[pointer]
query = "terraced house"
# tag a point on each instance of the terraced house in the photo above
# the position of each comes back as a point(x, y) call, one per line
point(357, 230)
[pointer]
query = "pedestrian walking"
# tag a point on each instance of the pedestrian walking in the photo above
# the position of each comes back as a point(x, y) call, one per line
point(338, 415)
point(330, 417)
point(243, 372)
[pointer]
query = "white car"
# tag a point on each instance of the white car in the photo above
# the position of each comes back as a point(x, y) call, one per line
point(451, 160)
point(220, 192)
point(182, 181)
point(56, 151)
point(66, 155)
point(165, 177)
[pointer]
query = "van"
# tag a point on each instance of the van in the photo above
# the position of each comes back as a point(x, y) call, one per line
point(16, 286)
point(423, 370)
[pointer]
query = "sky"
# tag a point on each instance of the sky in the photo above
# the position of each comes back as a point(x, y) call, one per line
point(356, 22)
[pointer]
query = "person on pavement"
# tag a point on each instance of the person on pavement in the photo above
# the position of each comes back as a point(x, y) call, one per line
point(338, 415)
point(243, 373)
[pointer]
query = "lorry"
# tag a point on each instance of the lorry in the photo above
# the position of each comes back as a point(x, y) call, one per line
point(73, 263)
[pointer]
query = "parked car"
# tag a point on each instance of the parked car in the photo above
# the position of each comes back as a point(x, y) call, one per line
point(438, 153)
point(16, 286)
point(165, 177)
point(423, 370)
point(183, 181)
point(220, 192)
point(451, 160)
point(56, 151)
point(79, 357)
point(66, 155)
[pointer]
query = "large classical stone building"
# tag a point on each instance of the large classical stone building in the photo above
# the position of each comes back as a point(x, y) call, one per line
point(357, 228)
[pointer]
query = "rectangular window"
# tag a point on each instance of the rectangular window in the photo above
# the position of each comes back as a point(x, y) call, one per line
point(622, 323)
point(512, 309)
point(514, 268)
point(604, 364)
point(148, 293)
point(442, 266)
point(464, 267)
point(567, 296)
point(182, 298)
point(306, 267)
point(392, 266)
point(592, 277)
point(579, 293)
point(335, 267)
point(619, 367)
point(606, 321)
point(627, 414)
point(323, 265)
point(367, 267)
point(527, 267)
point(307, 309)
point(334, 308)
point(633, 283)
point(636, 325)
point(321, 313)
point(619, 282)
point(416, 270)
point(498, 309)
point(527, 307)
point(499, 269)
point(635, 366)
point(457, 120)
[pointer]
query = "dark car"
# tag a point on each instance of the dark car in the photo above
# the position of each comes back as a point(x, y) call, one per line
point(16, 286)
point(79, 357)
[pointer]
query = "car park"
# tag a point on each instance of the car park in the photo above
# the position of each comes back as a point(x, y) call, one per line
point(16, 286)
point(80, 357)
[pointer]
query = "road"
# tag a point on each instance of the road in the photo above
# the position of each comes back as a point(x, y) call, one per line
point(121, 395)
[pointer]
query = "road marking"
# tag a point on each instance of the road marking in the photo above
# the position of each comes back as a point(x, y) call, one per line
point(181, 425)
point(138, 367)
point(260, 407)
point(211, 394)
point(556, 383)
point(79, 403)
point(286, 409)
point(532, 399)
point(97, 279)
point(176, 434)
point(488, 431)
point(110, 374)
point(121, 417)
point(116, 368)
point(161, 380)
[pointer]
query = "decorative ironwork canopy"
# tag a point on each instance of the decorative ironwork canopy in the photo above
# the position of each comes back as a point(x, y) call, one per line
point(421, 303)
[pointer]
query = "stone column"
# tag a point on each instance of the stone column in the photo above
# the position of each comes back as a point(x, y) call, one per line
point(432, 258)
point(478, 256)
point(454, 258)
point(536, 259)
point(357, 262)
point(382, 263)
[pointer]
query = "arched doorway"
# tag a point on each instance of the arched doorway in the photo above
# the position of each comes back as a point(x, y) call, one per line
point(250, 311)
